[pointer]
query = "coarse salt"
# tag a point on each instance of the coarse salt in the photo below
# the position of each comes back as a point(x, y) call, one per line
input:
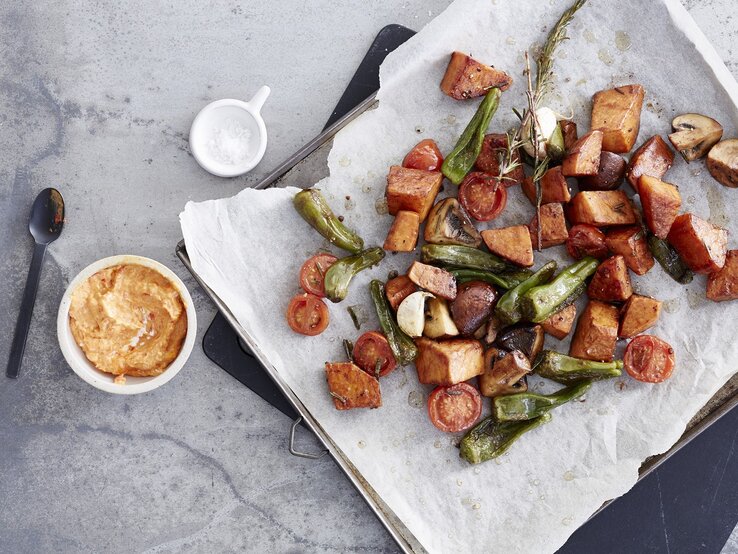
point(231, 143)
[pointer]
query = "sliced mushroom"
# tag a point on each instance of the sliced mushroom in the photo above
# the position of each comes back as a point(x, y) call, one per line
point(448, 223)
point(411, 313)
point(438, 322)
point(504, 373)
point(493, 328)
point(694, 134)
point(722, 162)
point(526, 338)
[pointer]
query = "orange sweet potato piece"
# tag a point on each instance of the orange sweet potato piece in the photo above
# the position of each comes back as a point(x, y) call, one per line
point(403, 235)
point(584, 156)
point(596, 333)
point(351, 387)
point(700, 244)
point(559, 324)
point(611, 281)
point(617, 113)
point(512, 243)
point(638, 314)
point(398, 289)
point(553, 226)
point(412, 190)
point(465, 78)
point(433, 279)
point(554, 187)
point(448, 362)
point(661, 202)
point(653, 157)
point(723, 284)
point(630, 242)
point(601, 208)
point(488, 160)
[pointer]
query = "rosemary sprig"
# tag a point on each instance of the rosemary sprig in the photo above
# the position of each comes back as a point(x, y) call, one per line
point(348, 348)
point(338, 397)
point(509, 159)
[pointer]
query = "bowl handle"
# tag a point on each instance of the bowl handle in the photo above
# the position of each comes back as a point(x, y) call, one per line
point(257, 101)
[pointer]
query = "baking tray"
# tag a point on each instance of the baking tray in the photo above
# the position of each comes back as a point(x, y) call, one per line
point(304, 168)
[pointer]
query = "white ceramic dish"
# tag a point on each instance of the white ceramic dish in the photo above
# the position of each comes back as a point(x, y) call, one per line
point(104, 381)
point(217, 115)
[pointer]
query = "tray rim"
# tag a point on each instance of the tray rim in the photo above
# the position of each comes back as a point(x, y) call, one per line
point(647, 467)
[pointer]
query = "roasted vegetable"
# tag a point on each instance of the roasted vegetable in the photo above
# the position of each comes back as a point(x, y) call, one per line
point(617, 113)
point(722, 162)
point(661, 202)
point(474, 303)
point(723, 284)
point(568, 370)
point(694, 134)
point(351, 387)
point(601, 208)
point(490, 439)
point(553, 226)
point(569, 132)
point(411, 313)
point(461, 159)
point(528, 339)
point(669, 259)
point(465, 78)
point(700, 244)
point(630, 242)
point(438, 322)
point(448, 223)
point(638, 314)
point(313, 208)
point(398, 289)
point(554, 187)
point(510, 243)
point(529, 405)
point(412, 190)
point(424, 155)
point(508, 309)
point(649, 359)
point(339, 275)
point(448, 362)
point(541, 301)
point(559, 324)
point(653, 158)
point(462, 257)
point(609, 175)
point(403, 347)
point(433, 279)
point(504, 372)
point(403, 235)
point(584, 157)
point(488, 161)
point(596, 333)
point(611, 281)
point(505, 280)
point(586, 240)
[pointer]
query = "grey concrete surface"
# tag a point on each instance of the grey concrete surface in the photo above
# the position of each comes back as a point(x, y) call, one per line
point(96, 99)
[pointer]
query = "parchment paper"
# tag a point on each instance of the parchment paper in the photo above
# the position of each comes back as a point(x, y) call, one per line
point(249, 249)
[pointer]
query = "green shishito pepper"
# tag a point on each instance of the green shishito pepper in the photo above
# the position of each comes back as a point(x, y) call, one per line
point(506, 280)
point(462, 257)
point(339, 275)
point(568, 370)
point(508, 306)
point(528, 405)
point(490, 439)
point(402, 346)
point(669, 259)
point(313, 208)
point(542, 301)
point(461, 159)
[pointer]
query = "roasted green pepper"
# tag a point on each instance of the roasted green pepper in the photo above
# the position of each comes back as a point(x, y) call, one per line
point(461, 159)
point(567, 370)
point(490, 439)
point(313, 208)
point(505, 280)
point(508, 306)
point(402, 346)
point(669, 259)
point(528, 405)
point(464, 257)
point(339, 275)
point(542, 301)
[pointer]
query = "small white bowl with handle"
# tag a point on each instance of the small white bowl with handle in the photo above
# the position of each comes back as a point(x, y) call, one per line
point(228, 137)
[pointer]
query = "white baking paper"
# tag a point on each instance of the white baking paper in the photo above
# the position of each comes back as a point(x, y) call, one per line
point(249, 250)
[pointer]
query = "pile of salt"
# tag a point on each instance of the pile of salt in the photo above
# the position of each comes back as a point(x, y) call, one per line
point(231, 143)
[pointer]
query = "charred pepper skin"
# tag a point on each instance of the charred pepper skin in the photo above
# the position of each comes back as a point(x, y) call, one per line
point(490, 439)
point(568, 370)
point(506, 280)
point(542, 301)
point(463, 257)
point(313, 208)
point(339, 275)
point(523, 406)
point(461, 159)
point(402, 346)
point(669, 259)
point(508, 306)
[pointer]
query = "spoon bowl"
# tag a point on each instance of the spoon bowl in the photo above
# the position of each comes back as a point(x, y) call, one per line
point(47, 216)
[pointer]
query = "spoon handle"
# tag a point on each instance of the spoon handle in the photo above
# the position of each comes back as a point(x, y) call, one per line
point(26, 312)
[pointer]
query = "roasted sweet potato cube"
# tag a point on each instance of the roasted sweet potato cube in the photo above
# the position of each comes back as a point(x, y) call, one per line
point(700, 244)
point(559, 324)
point(554, 187)
point(448, 362)
point(601, 208)
point(630, 242)
point(467, 78)
point(661, 202)
point(723, 284)
point(413, 190)
point(512, 243)
point(596, 333)
point(584, 156)
point(611, 281)
point(617, 113)
point(397, 289)
point(433, 279)
point(488, 160)
point(403, 235)
point(653, 157)
point(553, 226)
point(569, 130)
point(638, 314)
point(351, 387)
point(504, 372)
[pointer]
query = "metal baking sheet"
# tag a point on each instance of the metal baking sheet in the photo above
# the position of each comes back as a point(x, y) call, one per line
point(306, 167)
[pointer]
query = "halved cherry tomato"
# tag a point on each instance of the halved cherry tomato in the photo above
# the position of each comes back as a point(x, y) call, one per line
point(424, 155)
point(482, 196)
point(455, 408)
point(307, 315)
point(370, 348)
point(649, 359)
point(586, 240)
point(312, 273)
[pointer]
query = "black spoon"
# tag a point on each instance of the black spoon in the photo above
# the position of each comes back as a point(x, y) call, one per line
point(47, 220)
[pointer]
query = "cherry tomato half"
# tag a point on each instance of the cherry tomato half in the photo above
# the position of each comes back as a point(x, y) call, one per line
point(482, 196)
point(307, 315)
point(649, 359)
point(424, 155)
point(455, 408)
point(312, 273)
point(370, 348)
point(586, 240)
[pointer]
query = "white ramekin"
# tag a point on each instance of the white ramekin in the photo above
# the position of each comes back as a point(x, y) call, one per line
point(104, 381)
